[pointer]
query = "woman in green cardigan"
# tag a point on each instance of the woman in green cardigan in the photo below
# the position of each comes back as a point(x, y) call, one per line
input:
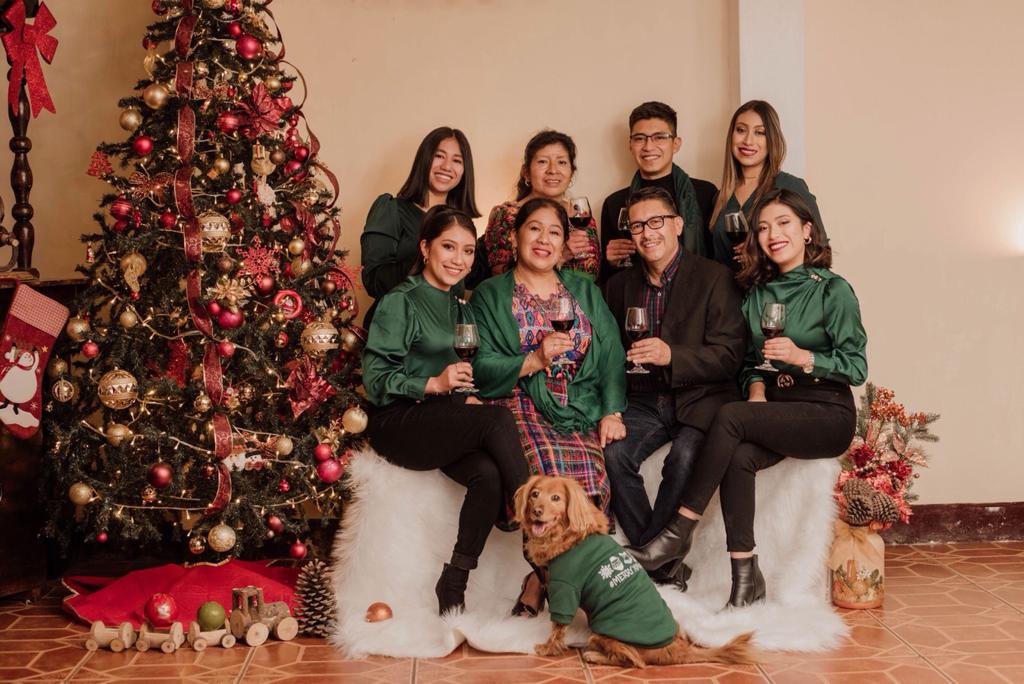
point(754, 151)
point(803, 409)
point(410, 369)
point(566, 390)
point(441, 173)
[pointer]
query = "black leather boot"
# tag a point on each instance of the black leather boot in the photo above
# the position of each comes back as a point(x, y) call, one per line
point(451, 589)
point(669, 547)
point(748, 584)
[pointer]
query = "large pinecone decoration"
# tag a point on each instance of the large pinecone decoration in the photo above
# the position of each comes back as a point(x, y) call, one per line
point(858, 511)
point(883, 509)
point(856, 488)
point(315, 600)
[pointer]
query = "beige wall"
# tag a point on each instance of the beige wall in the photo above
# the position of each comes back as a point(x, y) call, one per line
point(913, 112)
point(912, 149)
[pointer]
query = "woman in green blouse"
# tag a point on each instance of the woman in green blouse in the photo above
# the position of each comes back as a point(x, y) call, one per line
point(754, 151)
point(410, 369)
point(804, 409)
point(441, 173)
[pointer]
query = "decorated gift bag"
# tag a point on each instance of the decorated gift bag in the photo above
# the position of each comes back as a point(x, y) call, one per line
point(857, 567)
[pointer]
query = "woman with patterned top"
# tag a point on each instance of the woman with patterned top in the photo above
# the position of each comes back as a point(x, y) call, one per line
point(549, 165)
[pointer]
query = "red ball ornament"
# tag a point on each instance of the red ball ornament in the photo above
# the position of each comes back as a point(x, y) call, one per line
point(297, 551)
point(288, 224)
point(248, 47)
point(329, 470)
point(284, 486)
point(301, 152)
point(286, 85)
point(266, 285)
point(102, 537)
point(119, 226)
point(233, 196)
point(90, 350)
point(281, 341)
point(275, 524)
point(293, 120)
point(142, 145)
point(121, 208)
point(226, 348)
point(233, 6)
point(158, 8)
point(228, 122)
point(292, 166)
point(160, 475)
point(148, 43)
point(235, 29)
point(134, 296)
point(267, 220)
point(161, 609)
point(229, 318)
point(323, 451)
point(168, 219)
point(214, 308)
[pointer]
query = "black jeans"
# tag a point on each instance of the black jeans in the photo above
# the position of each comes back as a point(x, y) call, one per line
point(650, 422)
point(804, 421)
point(477, 446)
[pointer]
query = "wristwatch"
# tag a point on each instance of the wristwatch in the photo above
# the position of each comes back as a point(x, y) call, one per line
point(809, 366)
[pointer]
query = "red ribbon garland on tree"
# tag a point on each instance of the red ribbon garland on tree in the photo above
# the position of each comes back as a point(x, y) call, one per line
point(24, 43)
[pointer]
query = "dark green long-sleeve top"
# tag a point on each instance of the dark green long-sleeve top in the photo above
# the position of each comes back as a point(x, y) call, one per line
point(822, 316)
point(599, 386)
point(721, 247)
point(389, 243)
point(410, 341)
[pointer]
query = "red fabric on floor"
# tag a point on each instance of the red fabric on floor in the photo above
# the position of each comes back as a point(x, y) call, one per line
point(123, 599)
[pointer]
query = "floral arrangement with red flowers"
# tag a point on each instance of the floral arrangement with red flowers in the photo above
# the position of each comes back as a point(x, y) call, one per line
point(878, 468)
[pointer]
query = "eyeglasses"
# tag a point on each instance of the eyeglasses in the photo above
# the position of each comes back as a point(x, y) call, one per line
point(659, 138)
point(654, 223)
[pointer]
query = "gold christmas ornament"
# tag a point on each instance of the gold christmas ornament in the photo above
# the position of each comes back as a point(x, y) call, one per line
point(118, 389)
point(296, 246)
point(313, 192)
point(354, 420)
point(318, 338)
point(77, 329)
point(130, 119)
point(148, 494)
point(278, 316)
point(196, 545)
point(278, 156)
point(156, 95)
point(301, 266)
point(349, 340)
point(202, 403)
point(213, 4)
point(56, 368)
point(118, 434)
point(261, 164)
point(133, 265)
point(221, 165)
point(128, 319)
point(214, 231)
point(201, 70)
point(221, 538)
point(379, 611)
point(63, 391)
point(80, 494)
point(284, 445)
point(272, 83)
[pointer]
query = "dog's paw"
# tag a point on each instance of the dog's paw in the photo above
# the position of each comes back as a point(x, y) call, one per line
point(549, 649)
point(596, 658)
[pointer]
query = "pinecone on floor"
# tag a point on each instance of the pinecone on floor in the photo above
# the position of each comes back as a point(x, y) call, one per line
point(314, 600)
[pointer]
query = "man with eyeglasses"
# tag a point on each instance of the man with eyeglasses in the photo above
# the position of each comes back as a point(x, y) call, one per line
point(694, 349)
point(653, 142)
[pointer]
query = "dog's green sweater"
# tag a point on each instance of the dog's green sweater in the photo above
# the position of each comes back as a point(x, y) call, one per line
point(620, 600)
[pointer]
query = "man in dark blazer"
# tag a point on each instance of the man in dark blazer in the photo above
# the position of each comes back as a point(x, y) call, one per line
point(694, 350)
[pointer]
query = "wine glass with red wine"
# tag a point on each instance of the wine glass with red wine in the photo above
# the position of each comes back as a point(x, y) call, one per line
point(579, 216)
point(623, 225)
point(736, 228)
point(773, 322)
point(466, 341)
point(637, 328)
point(561, 316)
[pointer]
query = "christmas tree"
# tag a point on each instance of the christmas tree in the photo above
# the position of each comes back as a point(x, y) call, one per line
point(205, 391)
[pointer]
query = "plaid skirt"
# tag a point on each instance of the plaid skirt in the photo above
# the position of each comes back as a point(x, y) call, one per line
point(549, 452)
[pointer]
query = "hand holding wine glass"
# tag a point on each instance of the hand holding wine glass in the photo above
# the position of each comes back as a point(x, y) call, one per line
point(627, 243)
point(637, 328)
point(773, 322)
point(466, 341)
point(736, 229)
point(561, 316)
point(579, 218)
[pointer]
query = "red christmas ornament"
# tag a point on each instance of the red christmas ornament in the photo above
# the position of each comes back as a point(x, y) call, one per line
point(292, 166)
point(142, 145)
point(275, 524)
point(281, 341)
point(286, 85)
point(288, 223)
point(228, 122)
point(158, 8)
point(121, 208)
point(267, 220)
point(119, 226)
point(208, 470)
point(135, 296)
point(102, 537)
point(297, 551)
point(329, 470)
point(248, 47)
point(289, 302)
point(266, 284)
point(233, 6)
point(226, 348)
point(161, 609)
point(160, 475)
point(293, 120)
point(233, 196)
point(283, 486)
point(214, 308)
point(148, 43)
point(235, 29)
point(301, 152)
point(229, 318)
point(90, 350)
point(323, 451)
point(168, 219)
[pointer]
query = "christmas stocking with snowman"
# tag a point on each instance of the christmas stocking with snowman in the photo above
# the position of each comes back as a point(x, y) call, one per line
point(33, 323)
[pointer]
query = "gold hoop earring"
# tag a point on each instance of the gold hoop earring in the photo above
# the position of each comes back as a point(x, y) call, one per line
point(807, 240)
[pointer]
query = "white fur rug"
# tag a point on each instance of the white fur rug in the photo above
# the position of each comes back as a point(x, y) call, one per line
point(401, 526)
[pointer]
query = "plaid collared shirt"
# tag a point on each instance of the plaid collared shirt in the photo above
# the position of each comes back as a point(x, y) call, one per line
point(655, 299)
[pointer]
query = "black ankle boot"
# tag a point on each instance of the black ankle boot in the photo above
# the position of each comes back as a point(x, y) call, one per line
point(668, 548)
point(748, 584)
point(451, 589)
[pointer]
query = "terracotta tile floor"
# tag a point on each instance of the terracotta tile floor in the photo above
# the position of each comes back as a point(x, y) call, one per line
point(953, 613)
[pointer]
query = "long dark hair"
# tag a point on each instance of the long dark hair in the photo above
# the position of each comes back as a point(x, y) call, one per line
point(437, 220)
point(542, 139)
point(757, 267)
point(417, 185)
